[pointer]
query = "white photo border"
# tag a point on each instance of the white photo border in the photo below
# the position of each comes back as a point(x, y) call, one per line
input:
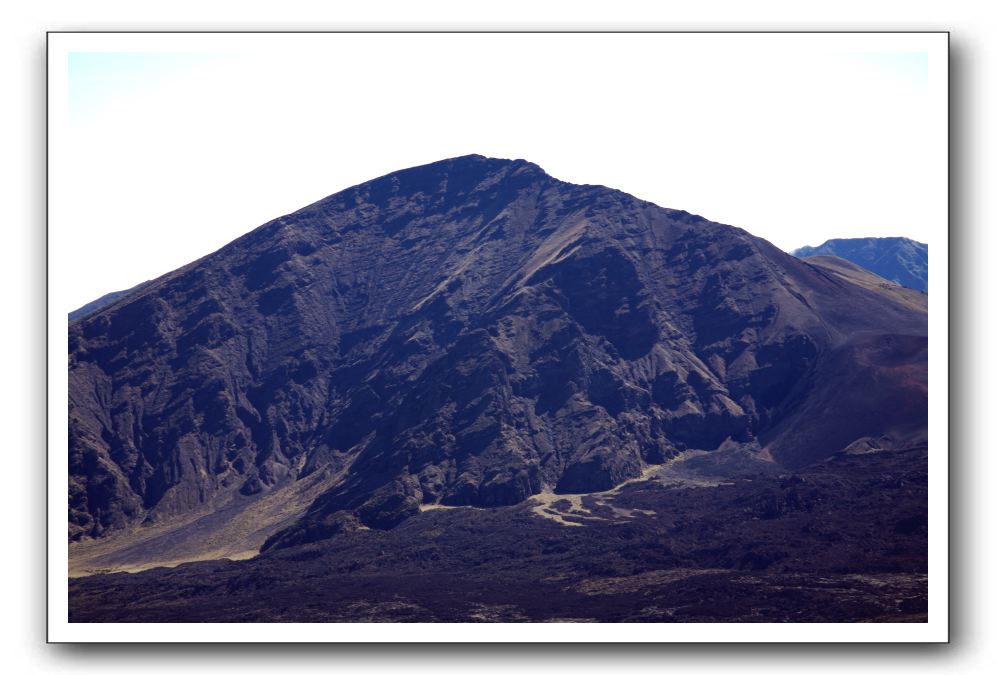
point(935, 630)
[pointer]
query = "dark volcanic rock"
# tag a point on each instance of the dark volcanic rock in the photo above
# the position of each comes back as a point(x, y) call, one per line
point(844, 540)
point(470, 332)
point(897, 259)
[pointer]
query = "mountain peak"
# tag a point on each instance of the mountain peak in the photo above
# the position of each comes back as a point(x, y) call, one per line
point(462, 161)
point(449, 179)
point(473, 164)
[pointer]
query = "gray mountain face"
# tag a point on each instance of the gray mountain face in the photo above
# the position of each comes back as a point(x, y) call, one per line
point(470, 332)
point(896, 259)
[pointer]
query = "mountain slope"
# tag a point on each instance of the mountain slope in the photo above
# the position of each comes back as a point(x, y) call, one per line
point(470, 332)
point(855, 274)
point(897, 259)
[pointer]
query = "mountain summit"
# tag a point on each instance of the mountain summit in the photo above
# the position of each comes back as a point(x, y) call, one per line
point(470, 332)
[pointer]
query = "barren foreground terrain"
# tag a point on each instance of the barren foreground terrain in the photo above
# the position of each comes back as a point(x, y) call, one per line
point(842, 541)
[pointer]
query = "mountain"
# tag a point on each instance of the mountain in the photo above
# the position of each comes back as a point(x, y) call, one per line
point(101, 302)
point(469, 334)
point(896, 259)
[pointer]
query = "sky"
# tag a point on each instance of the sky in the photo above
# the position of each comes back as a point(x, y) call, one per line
point(165, 147)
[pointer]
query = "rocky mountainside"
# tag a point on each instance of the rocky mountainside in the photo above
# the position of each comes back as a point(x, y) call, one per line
point(471, 332)
point(896, 259)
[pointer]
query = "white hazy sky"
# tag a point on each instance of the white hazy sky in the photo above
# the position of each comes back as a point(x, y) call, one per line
point(165, 147)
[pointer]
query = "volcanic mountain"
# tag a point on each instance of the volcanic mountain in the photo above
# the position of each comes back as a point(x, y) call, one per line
point(897, 259)
point(471, 333)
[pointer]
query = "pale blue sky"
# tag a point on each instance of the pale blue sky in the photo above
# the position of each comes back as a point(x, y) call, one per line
point(176, 149)
point(903, 68)
point(99, 81)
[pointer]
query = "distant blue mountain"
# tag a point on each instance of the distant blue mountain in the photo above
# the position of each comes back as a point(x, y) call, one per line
point(101, 302)
point(898, 259)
